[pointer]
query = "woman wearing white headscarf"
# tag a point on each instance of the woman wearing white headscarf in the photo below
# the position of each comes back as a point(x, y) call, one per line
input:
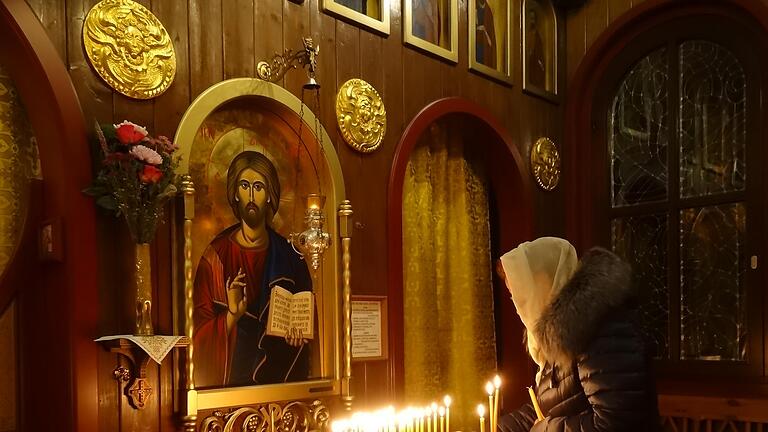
point(593, 372)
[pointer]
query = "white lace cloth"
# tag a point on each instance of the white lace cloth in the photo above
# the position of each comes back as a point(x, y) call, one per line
point(156, 346)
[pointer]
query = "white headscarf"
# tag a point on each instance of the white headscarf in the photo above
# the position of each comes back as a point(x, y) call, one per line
point(535, 273)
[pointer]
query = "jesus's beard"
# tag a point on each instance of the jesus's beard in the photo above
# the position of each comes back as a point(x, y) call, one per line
point(252, 215)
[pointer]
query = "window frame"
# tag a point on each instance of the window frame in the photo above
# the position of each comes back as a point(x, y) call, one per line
point(730, 36)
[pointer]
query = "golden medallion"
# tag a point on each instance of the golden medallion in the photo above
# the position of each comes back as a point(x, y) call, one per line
point(361, 115)
point(545, 163)
point(129, 48)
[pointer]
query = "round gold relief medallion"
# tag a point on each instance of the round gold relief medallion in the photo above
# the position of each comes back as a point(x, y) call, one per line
point(361, 115)
point(129, 48)
point(545, 163)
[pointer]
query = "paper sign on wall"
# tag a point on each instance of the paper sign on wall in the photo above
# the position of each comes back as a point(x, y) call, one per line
point(369, 330)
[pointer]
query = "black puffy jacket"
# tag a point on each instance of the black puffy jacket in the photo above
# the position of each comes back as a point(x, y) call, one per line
point(597, 376)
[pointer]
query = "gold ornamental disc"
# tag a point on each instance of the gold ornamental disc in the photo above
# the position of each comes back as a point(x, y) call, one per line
point(129, 48)
point(545, 163)
point(361, 115)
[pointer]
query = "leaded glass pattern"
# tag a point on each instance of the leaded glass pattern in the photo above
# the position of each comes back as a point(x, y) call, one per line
point(642, 242)
point(638, 123)
point(712, 287)
point(712, 132)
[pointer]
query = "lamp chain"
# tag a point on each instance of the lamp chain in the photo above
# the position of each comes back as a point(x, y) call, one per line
point(318, 135)
point(318, 124)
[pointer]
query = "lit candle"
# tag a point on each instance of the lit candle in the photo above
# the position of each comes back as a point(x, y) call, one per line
point(535, 403)
point(447, 402)
point(434, 416)
point(491, 409)
point(356, 421)
point(496, 385)
point(315, 201)
point(481, 413)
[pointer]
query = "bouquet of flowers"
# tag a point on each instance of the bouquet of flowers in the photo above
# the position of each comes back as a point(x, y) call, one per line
point(135, 177)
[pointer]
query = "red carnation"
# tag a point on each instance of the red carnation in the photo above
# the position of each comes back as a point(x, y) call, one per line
point(150, 174)
point(129, 133)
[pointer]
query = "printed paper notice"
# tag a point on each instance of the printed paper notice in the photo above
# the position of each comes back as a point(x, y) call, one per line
point(366, 329)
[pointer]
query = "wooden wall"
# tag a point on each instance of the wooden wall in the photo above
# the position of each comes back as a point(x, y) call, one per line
point(218, 40)
point(584, 25)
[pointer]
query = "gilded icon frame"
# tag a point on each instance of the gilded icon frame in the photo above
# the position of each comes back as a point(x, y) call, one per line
point(333, 275)
point(409, 38)
point(369, 22)
point(549, 89)
point(505, 76)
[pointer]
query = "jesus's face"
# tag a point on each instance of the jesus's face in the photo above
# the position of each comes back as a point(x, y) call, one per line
point(251, 197)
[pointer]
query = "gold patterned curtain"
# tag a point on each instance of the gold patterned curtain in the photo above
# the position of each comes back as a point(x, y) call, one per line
point(450, 344)
point(18, 164)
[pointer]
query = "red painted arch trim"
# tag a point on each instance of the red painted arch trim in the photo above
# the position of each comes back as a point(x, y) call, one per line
point(429, 115)
point(53, 108)
point(587, 80)
point(515, 179)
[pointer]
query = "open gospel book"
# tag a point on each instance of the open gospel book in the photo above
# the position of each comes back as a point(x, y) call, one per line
point(288, 311)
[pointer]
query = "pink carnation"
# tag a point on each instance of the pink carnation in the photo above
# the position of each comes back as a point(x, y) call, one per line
point(146, 154)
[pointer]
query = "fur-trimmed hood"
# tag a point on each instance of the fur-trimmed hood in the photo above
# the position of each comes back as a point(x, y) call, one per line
point(570, 322)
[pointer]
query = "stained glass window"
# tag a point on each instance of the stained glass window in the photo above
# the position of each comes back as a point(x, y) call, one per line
point(642, 241)
point(637, 133)
point(705, 212)
point(713, 130)
point(712, 289)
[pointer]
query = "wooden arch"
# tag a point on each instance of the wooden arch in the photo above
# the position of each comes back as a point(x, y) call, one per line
point(513, 207)
point(58, 302)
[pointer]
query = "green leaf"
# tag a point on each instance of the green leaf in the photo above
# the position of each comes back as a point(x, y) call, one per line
point(169, 191)
point(95, 190)
point(107, 201)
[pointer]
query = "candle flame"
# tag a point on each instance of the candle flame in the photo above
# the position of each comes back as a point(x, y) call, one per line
point(489, 388)
point(441, 411)
point(447, 400)
point(481, 410)
point(497, 381)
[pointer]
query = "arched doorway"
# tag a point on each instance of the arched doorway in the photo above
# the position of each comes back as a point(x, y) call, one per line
point(57, 301)
point(511, 214)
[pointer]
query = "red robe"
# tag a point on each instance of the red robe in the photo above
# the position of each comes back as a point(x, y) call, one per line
point(213, 346)
point(245, 355)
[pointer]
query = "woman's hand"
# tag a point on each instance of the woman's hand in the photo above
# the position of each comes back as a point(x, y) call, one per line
point(295, 337)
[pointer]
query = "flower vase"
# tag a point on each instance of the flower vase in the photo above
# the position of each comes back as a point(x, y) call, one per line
point(143, 291)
